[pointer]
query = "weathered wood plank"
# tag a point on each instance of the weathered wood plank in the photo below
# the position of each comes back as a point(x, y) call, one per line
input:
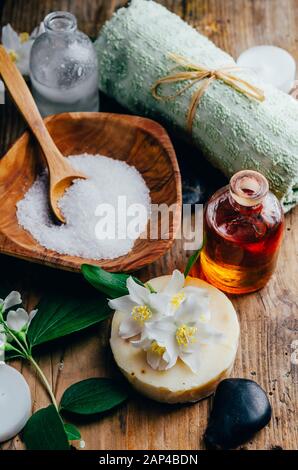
point(268, 318)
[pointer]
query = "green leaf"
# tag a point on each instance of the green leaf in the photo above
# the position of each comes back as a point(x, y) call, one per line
point(11, 352)
point(93, 396)
point(45, 431)
point(111, 284)
point(10, 355)
point(193, 258)
point(61, 314)
point(72, 432)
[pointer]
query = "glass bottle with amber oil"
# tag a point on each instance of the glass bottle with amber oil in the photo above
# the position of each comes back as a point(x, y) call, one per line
point(243, 231)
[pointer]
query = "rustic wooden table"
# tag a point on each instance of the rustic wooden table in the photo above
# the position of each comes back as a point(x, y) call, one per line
point(268, 318)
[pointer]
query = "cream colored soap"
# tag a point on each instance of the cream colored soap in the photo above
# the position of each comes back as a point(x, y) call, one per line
point(179, 384)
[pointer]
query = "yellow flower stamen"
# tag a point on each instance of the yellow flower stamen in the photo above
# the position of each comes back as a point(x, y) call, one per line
point(185, 335)
point(141, 313)
point(203, 318)
point(156, 348)
point(24, 37)
point(177, 299)
point(13, 55)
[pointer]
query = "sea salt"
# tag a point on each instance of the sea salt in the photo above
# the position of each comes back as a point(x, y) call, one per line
point(108, 180)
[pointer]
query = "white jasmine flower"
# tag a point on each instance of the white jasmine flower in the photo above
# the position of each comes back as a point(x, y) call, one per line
point(174, 294)
point(14, 298)
point(18, 47)
point(137, 306)
point(19, 320)
point(142, 306)
point(181, 335)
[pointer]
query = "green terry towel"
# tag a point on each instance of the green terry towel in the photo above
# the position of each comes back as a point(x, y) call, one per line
point(234, 132)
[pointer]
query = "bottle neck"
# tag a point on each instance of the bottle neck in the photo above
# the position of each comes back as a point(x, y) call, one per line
point(248, 189)
point(60, 22)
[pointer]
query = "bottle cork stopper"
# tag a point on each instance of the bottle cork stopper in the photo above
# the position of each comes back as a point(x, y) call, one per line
point(248, 188)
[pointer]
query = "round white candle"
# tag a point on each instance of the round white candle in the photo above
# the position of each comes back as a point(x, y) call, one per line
point(271, 64)
point(15, 402)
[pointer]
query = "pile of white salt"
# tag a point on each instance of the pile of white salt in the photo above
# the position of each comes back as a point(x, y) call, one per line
point(107, 180)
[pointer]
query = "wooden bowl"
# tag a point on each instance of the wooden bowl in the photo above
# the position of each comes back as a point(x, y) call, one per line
point(140, 142)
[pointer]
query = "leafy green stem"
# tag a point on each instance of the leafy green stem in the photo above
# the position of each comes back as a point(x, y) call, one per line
point(44, 380)
point(193, 259)
point(24, 350)
point(15, 338)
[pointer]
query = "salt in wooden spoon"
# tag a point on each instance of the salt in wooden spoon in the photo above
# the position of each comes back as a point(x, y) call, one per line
point(61, 173)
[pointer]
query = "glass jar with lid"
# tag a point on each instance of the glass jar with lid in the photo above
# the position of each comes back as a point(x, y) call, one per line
point(63, 67)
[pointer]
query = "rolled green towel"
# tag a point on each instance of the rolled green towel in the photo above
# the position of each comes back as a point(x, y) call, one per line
point(235, 132)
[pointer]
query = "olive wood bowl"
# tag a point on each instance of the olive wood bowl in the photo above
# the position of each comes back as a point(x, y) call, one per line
point(138, 141)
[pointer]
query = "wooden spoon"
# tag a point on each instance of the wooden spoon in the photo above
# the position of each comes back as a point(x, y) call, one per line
point(60, 171)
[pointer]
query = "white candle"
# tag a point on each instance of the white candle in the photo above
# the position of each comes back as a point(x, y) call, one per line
point(15, 402)
point(271, 64)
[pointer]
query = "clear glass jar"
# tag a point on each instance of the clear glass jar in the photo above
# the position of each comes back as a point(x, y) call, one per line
point(63, 67)
point(243, 225)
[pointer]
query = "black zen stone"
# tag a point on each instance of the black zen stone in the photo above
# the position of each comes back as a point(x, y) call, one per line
point(240, 409)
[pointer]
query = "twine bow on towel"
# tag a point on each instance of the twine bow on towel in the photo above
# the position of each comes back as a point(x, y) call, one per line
point(194, 74)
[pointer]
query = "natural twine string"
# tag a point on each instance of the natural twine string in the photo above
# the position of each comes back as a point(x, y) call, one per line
point(194, 74)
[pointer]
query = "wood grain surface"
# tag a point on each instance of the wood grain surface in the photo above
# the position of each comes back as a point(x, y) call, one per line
point(114, 135)
point(268, 318)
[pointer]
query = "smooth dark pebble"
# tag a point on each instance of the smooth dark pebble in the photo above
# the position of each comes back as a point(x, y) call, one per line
point(240, 409)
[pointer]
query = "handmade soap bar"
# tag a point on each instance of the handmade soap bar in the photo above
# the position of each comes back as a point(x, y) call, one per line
point(234, 131)
point(180, 384)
